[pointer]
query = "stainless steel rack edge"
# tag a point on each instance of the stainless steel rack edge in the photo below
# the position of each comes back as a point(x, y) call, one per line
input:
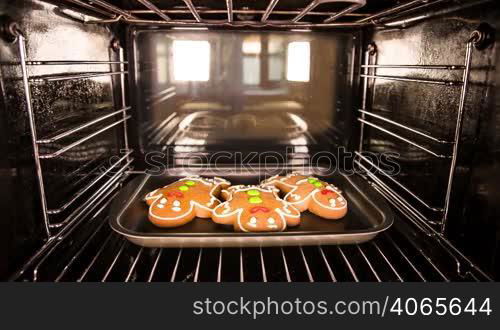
point(124, 160)
point(368, 74)
point(110, 13)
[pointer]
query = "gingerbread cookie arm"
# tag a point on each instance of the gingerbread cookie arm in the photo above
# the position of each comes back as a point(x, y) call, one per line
point(206, 203)
point(289, 213)
point(152, 196)
point(224, 215)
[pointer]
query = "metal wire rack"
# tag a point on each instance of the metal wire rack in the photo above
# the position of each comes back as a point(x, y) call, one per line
point(368, 74)
point(104, 179)
point(91, 251)
point(315, 13)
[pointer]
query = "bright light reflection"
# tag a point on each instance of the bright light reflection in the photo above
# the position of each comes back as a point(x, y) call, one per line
point(251, 47)
point(298, 61)
point(191, 60)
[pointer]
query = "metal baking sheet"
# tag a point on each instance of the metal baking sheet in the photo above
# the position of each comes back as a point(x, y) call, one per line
point(368, 215)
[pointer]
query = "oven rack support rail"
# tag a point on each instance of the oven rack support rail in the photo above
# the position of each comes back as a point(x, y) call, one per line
point(248, 17)
point(369, 75)
point(102, 178)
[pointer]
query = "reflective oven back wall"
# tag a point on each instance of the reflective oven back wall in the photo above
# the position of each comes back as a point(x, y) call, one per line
point(236, 89)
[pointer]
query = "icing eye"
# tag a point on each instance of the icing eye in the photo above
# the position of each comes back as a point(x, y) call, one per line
point(189, 183)
point(176, 203)
point(253, 192)
point(183, 188)
point(253, 220)
point(163, 200)
point(255, 200)
point(271, 221)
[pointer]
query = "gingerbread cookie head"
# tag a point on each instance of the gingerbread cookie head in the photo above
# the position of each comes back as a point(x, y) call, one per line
point(255, 209)
point(310, 193)
point(180, 202)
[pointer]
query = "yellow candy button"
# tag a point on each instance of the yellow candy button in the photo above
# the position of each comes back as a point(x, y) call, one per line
point(189, 183)
point(255, 200)
point(183, 188)
point(253, 192)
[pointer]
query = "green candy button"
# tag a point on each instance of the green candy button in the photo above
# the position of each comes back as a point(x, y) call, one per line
point(312, 180)
point(255, 200)
point(318, 184)
point(183, 188)
point(253, 192)
point(189, 183)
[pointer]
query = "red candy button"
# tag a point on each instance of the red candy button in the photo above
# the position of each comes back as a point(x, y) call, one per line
point(326, 191)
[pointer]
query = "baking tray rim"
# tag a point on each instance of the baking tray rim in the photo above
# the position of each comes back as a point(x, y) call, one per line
point(120, 229)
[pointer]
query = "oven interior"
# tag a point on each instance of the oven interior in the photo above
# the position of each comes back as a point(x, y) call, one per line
point(399, 93)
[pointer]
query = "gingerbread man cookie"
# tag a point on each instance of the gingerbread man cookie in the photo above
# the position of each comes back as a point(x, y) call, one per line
point(255, 209)
point(310, 193)
point(180, 202)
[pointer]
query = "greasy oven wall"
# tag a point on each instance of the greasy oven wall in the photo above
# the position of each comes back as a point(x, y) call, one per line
point(474, 218)
point(57, 106)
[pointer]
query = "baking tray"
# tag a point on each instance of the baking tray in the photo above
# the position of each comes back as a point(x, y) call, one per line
point(368, 214)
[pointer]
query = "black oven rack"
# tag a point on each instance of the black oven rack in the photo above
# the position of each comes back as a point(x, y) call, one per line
point(101, 178)
point(89, 250)
point(349, 13)
point(368, 75)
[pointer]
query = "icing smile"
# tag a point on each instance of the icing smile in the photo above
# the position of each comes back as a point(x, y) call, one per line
point(259, 208)
point(174, 194)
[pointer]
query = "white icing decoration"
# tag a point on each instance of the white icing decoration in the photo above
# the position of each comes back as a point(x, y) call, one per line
point(163, 201)
point(271, 221)
point(176, 209)
point(227, 208)
point(160, 206)
point(176, 203)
